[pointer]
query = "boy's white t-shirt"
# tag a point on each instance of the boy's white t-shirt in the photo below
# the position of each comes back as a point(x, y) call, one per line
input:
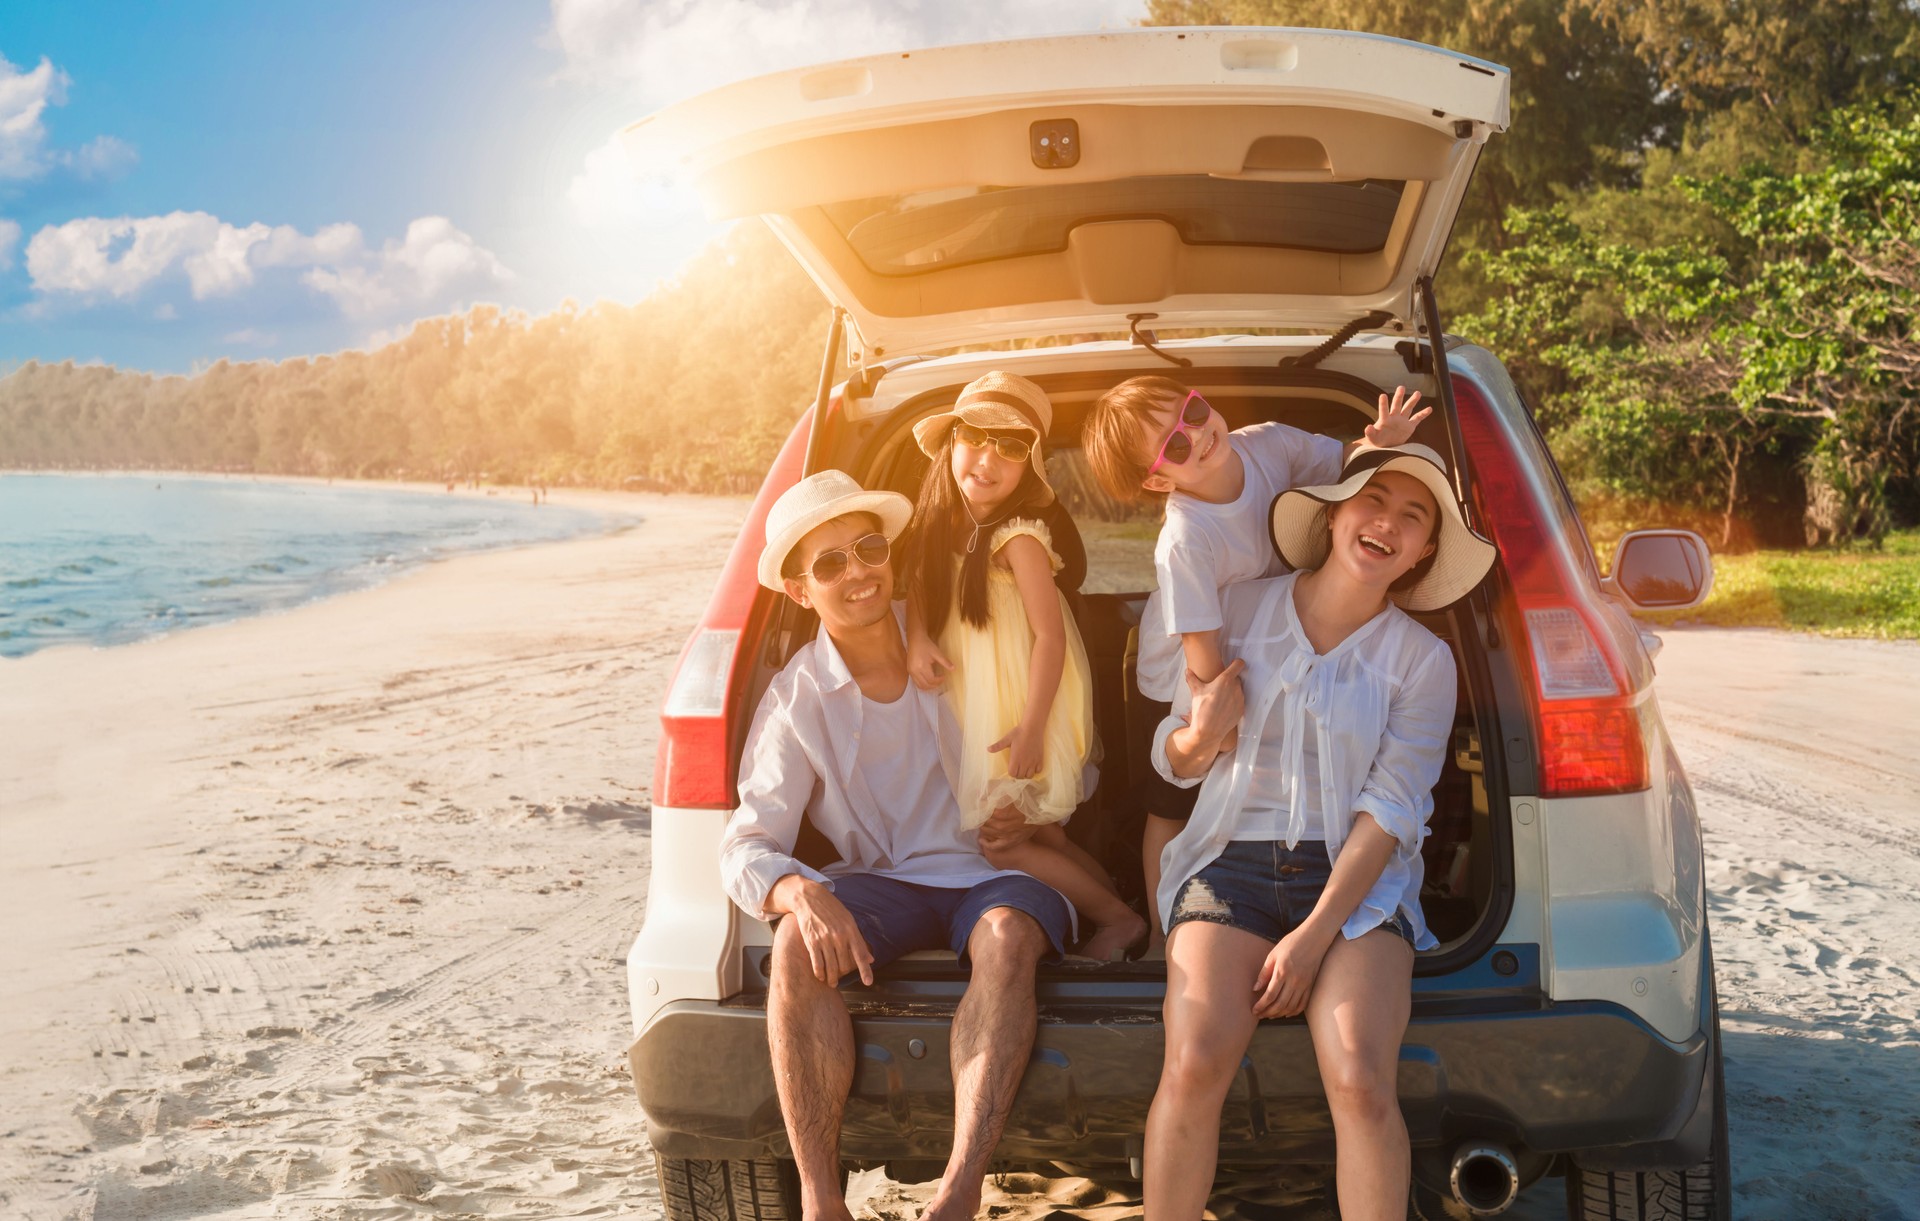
point(1204, 547)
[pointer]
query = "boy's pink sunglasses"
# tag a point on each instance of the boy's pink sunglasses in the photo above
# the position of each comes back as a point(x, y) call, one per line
point(1178, 447)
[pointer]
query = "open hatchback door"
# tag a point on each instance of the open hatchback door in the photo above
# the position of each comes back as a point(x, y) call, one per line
point(1209, 178)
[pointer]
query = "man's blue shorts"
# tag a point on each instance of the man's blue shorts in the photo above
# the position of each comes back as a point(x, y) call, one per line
point(899, 917)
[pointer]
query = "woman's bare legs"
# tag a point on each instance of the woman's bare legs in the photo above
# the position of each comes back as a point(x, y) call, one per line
point(1209, 1020)
point(1158, 833)
point(1358, 1015)
point(1062, 864)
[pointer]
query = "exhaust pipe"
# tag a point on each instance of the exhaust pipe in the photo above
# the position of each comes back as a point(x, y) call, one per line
point(1485, 1179)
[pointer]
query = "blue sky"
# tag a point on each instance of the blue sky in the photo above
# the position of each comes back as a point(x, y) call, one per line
point(188, 181)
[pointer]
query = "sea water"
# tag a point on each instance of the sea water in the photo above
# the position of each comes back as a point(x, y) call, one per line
point(106, 560)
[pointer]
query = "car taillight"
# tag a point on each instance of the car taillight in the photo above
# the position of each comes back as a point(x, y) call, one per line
point(699, 747)
point(691, 770)
point(1587, 712)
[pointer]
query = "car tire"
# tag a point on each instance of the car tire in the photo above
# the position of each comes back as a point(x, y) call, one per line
point(1698, 1193)
point(743, 1189)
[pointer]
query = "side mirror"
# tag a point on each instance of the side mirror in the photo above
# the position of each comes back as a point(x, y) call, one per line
point(1661, 570)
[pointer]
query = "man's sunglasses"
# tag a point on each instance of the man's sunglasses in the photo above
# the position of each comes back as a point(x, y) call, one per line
point(1178, 446)
point(1013, 449)
point(829, 567)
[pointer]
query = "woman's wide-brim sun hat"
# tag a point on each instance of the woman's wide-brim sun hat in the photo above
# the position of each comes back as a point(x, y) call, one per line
point(1461, 557)
point(815, 501)
point(996, 400)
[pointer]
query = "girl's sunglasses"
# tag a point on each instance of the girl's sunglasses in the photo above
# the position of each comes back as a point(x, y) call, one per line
point(829, 567)
point(1013, 449)
point(1178, 446)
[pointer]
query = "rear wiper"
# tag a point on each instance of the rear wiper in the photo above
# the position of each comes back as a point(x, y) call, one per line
point(1337, 340)
point(1144, 339)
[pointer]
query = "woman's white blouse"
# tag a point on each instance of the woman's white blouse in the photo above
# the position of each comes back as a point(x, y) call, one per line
point(1380, 708)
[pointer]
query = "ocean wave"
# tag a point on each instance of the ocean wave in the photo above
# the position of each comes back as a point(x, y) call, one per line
point(87, 566)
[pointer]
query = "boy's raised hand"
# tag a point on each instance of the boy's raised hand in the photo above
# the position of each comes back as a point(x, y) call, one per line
point(1397, 419)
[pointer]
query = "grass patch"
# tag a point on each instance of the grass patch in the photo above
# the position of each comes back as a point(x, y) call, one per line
point(1854, 592)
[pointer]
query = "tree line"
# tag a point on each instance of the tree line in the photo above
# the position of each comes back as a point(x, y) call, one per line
point(1698, 249)
point(693, 388)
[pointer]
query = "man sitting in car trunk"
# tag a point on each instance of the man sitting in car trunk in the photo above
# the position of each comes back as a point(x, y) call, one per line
point(842, 738)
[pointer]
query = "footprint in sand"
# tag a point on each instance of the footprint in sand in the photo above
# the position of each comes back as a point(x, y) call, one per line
point(394, 1180)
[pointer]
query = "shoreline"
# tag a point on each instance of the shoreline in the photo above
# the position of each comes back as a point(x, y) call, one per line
point(601, 500)
point(617, 512)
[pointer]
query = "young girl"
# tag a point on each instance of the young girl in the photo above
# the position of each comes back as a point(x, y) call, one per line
point(985, 618)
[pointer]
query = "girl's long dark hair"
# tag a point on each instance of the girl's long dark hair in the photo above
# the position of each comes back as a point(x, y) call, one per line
point(942, 526)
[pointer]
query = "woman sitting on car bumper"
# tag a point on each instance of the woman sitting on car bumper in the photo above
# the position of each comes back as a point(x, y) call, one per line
point(1295, 887)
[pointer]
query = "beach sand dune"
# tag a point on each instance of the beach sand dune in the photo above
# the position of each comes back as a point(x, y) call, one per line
point(324, 914)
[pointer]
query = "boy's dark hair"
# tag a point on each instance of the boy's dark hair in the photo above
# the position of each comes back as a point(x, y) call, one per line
point(1112, 435)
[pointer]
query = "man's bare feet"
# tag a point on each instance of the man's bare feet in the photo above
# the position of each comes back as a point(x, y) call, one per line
point(1110, 942)
point(953, 1202)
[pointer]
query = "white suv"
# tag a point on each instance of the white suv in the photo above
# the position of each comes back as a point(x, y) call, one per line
point(1205, 180)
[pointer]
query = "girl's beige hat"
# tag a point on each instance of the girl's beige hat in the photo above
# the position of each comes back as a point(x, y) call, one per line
point(995, 399)
point(1461, 558)
point(817, 500)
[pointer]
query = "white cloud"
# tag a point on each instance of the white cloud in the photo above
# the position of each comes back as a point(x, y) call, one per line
point(434, 260)
point(95, 256)
point(674, 48)
point(24, 98)
point(101, 157)
point(9, 238)
point(100, 257)
point(250, 337)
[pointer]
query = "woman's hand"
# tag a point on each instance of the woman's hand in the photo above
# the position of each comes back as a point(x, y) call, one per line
point(926, 664)
point(1286, 978)
point(1023, 747)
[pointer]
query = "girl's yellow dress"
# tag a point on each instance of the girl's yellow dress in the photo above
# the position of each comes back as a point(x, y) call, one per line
point(988, 688)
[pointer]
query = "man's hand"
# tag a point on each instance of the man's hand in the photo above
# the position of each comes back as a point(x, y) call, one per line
point(926, 664)
point(1218, 705)
point(1397, 419)
point(1023, 746)
point(834, 944)
point(1286, 978)
point(1006, 828)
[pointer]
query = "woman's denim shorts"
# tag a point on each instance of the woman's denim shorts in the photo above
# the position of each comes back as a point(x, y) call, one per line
point(1264, 887)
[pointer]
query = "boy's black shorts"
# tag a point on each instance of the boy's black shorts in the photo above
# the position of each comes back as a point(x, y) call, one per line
point(1157, 797)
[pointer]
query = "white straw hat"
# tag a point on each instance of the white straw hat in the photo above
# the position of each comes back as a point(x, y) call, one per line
point(817, 500)
point(995, 399)
point(1461, 557)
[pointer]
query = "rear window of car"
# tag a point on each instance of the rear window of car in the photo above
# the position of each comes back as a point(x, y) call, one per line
point(1119, 535)
point(934, 230)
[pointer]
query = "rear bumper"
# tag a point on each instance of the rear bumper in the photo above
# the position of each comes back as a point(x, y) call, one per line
point(1545, 1078)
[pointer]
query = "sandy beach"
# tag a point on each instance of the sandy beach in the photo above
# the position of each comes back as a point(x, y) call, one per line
point(323, 914)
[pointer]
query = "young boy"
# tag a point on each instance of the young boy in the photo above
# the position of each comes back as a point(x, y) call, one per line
point(1153, 435)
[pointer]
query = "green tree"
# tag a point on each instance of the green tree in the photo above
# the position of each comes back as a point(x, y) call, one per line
point(1668, 371)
